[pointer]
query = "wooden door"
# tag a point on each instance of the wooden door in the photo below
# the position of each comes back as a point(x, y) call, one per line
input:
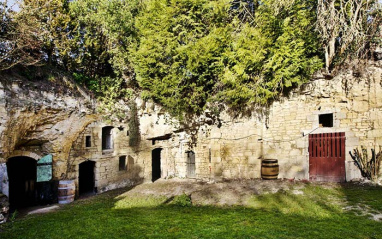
point(327, 157)
point(190, 164)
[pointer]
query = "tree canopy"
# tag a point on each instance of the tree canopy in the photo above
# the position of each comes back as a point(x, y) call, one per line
point(195, 53)
point(189, 55)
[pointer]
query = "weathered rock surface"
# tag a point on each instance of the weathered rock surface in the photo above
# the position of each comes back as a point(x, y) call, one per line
point(41, 117)
point(36, 120)
point(4, 208)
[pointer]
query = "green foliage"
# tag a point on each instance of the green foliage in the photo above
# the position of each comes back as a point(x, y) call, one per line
point(182, 200)
point(21, 37)
point(91, 83)
point(112, 93)
point(196, 52)
point(100, 35)
point(364, 194)
point(52, 19)
point(187, 55)
point(176, 60)
point(13, 216)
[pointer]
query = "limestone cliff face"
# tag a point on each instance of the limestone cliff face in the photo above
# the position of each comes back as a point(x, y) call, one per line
point(41, 120)
point(42, 117)
point(234, 148)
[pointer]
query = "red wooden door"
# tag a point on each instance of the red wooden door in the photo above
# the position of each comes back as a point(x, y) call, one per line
point(327, 157)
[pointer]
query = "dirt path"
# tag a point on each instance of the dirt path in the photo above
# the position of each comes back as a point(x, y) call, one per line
point(217, 193)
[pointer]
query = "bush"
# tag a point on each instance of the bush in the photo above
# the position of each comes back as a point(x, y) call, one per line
point(369, 167)
point(182, 200)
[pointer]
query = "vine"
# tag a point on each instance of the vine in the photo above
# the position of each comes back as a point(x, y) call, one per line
point(134, 132)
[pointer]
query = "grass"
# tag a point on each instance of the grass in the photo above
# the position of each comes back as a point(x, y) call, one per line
point(318, 213)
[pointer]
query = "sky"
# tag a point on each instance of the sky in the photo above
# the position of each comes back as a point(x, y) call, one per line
point(13, 4)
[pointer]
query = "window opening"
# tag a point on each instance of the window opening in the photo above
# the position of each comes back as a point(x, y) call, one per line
point(107, 141)
point(325, 120)
point(122, 163)
point(88, 142)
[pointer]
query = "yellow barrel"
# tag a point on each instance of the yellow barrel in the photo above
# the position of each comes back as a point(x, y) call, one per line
point(66, 191)
point(269, 169)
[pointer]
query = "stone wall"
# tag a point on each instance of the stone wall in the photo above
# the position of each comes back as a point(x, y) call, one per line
point(38, 118)
point(356, 104)
point(234, 148)
point(36, 123)
point(282, 131)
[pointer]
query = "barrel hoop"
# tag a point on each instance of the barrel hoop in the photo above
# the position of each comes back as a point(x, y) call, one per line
point(65, 200)
point(66, 187)
point(61, 185)
point(66, 192)
point(270, 166)
point(66, 197)
point(269, 160)
point(270, 174)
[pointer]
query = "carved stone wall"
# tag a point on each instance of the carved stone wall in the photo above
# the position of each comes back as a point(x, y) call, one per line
point(43, 122)
point(38, 118)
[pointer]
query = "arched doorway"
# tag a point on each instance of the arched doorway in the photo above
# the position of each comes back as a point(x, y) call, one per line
point(22, 173)
point(156, 163)
point(86, 177)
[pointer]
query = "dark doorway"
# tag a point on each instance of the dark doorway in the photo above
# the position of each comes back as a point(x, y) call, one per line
point(190, 164)
point(22, 182)
point(327, 157)
point(156, 172)
point(86, 177)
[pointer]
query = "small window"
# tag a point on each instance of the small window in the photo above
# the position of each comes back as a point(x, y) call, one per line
point(122, 163)
point(88, 142)
point(153, 142)
point(107, 140)
point(325, 120)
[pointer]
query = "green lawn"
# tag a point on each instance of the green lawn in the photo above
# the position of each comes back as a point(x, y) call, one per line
point(317, 213)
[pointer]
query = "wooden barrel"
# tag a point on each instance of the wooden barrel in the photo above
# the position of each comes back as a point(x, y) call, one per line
point(66, 191)
point(269, 169)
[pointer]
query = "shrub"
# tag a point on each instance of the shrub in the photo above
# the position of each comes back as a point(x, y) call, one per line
point(182, 200)
point(369, 167)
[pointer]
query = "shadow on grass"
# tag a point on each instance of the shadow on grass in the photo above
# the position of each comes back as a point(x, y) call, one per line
point(363, 195)
point(280, 215)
